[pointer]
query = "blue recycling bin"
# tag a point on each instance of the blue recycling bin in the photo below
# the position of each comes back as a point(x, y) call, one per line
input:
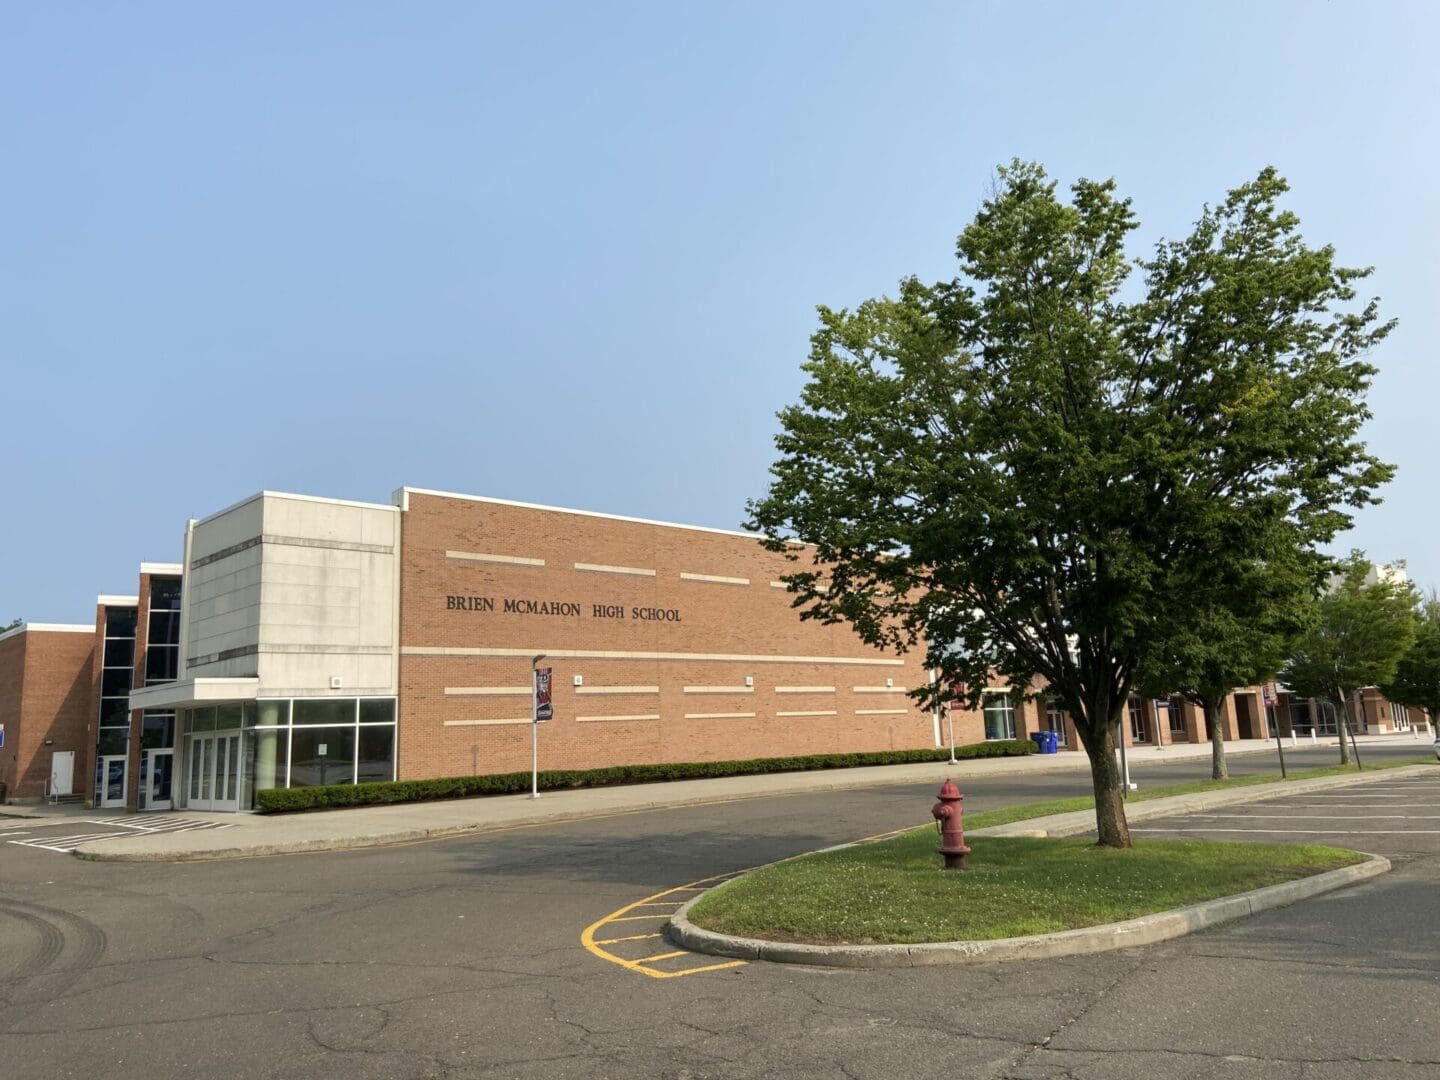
point(1047, 742)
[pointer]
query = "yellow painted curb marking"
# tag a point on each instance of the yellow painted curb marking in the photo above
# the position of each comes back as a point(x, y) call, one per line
point(620, 915)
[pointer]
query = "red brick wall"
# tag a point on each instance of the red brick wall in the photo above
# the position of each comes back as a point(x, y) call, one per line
point(751, 623)
point(45, 693)
point(12, 683)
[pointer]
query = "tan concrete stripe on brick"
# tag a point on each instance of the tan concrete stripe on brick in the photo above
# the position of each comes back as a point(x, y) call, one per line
point(809, 712)
point(719, 689)
point(617, 690)
point(714, 579)
point(804, 689)
point(481, 556)
point(718, 715)
point(881, 712)
point(487, 691)
point(878, 689)
point(601, 568)
point(631, 716)
point(489, 722)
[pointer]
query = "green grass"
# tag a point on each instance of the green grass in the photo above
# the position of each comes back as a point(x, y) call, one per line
point(894, 891)
point(1025, 811)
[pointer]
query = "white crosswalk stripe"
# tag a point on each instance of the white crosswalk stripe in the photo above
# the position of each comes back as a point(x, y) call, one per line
point(65, 843)
point(150, 826)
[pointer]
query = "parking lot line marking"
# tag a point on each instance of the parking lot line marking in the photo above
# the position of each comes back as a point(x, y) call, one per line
point(594, 945)
point(662, 956)
point(697, 970)
point(1312, 833)
point(1350, 806)
point(1327, 817)
point(617, 940)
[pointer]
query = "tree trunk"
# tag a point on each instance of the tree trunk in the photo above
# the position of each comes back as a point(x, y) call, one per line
point(1214, 720)
point(1342, 721)
point(1110, 825)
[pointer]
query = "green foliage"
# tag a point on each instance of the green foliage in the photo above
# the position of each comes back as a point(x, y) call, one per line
point(1030, 470)
point(331, 796)
point(1417, 675)
point(11, 625)
point(893, 891)
point(1361, 628)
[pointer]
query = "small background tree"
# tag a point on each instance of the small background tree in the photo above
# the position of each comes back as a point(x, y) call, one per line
point(1361, 626)
point(1235, 630)
point(1417, 676)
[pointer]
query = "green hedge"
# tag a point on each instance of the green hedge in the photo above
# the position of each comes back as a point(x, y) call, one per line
point(275, 800)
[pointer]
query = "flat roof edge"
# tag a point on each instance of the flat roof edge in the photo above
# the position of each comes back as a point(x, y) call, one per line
point(403, 493)
point(48, 628)
point(267, 493)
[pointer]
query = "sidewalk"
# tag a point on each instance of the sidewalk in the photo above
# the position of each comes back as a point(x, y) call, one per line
point(335, 830)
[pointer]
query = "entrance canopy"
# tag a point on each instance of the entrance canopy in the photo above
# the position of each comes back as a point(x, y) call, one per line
point(192, 692)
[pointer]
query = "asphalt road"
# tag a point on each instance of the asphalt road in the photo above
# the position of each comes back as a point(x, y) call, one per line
point(463, 958)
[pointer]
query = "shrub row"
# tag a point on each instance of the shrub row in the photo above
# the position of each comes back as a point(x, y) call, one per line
point(277, 800)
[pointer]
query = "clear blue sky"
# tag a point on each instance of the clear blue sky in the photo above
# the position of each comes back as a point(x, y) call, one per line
point(570, 253)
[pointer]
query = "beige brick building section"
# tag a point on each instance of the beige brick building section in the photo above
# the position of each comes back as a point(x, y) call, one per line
point(683, 647)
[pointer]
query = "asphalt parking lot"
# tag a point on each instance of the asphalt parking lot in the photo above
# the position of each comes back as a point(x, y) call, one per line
point(463, 958)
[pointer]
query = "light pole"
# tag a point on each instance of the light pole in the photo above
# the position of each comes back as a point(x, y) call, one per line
point(535, 728)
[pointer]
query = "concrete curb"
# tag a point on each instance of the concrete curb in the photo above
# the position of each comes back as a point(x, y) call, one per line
point(1146, 930)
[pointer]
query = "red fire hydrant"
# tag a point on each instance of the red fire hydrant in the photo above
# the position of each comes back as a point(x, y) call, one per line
point(949, 817)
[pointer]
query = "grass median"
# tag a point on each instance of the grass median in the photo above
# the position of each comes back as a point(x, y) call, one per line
point(1004, 815)
point(894, 891)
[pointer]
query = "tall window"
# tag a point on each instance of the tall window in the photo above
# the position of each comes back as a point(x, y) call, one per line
point(1175, 707)
point(1401, 717)
point(1301, 722)
point(1054, 717)
point(1138, 731)
point(117, 671)
point(999, 717)
point(162, 638)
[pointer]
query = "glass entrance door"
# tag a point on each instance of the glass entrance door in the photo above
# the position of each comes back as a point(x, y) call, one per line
point(156, 772)
point(112, 781)
point(214, 779)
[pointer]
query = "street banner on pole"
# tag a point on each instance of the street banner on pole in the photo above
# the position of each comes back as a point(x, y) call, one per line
point(1270, 692)
point(543, 710)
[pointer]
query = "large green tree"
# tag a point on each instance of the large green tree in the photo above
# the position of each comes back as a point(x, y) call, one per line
point(1235, 629)
point(1362, 624)
point(1417, 676)
point(1007, 468)
point(11, 625)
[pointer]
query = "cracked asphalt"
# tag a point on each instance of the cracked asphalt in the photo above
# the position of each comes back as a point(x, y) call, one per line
point(461, 958)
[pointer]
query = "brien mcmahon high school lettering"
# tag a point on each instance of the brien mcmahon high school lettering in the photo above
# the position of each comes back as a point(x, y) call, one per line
point(316, 641)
